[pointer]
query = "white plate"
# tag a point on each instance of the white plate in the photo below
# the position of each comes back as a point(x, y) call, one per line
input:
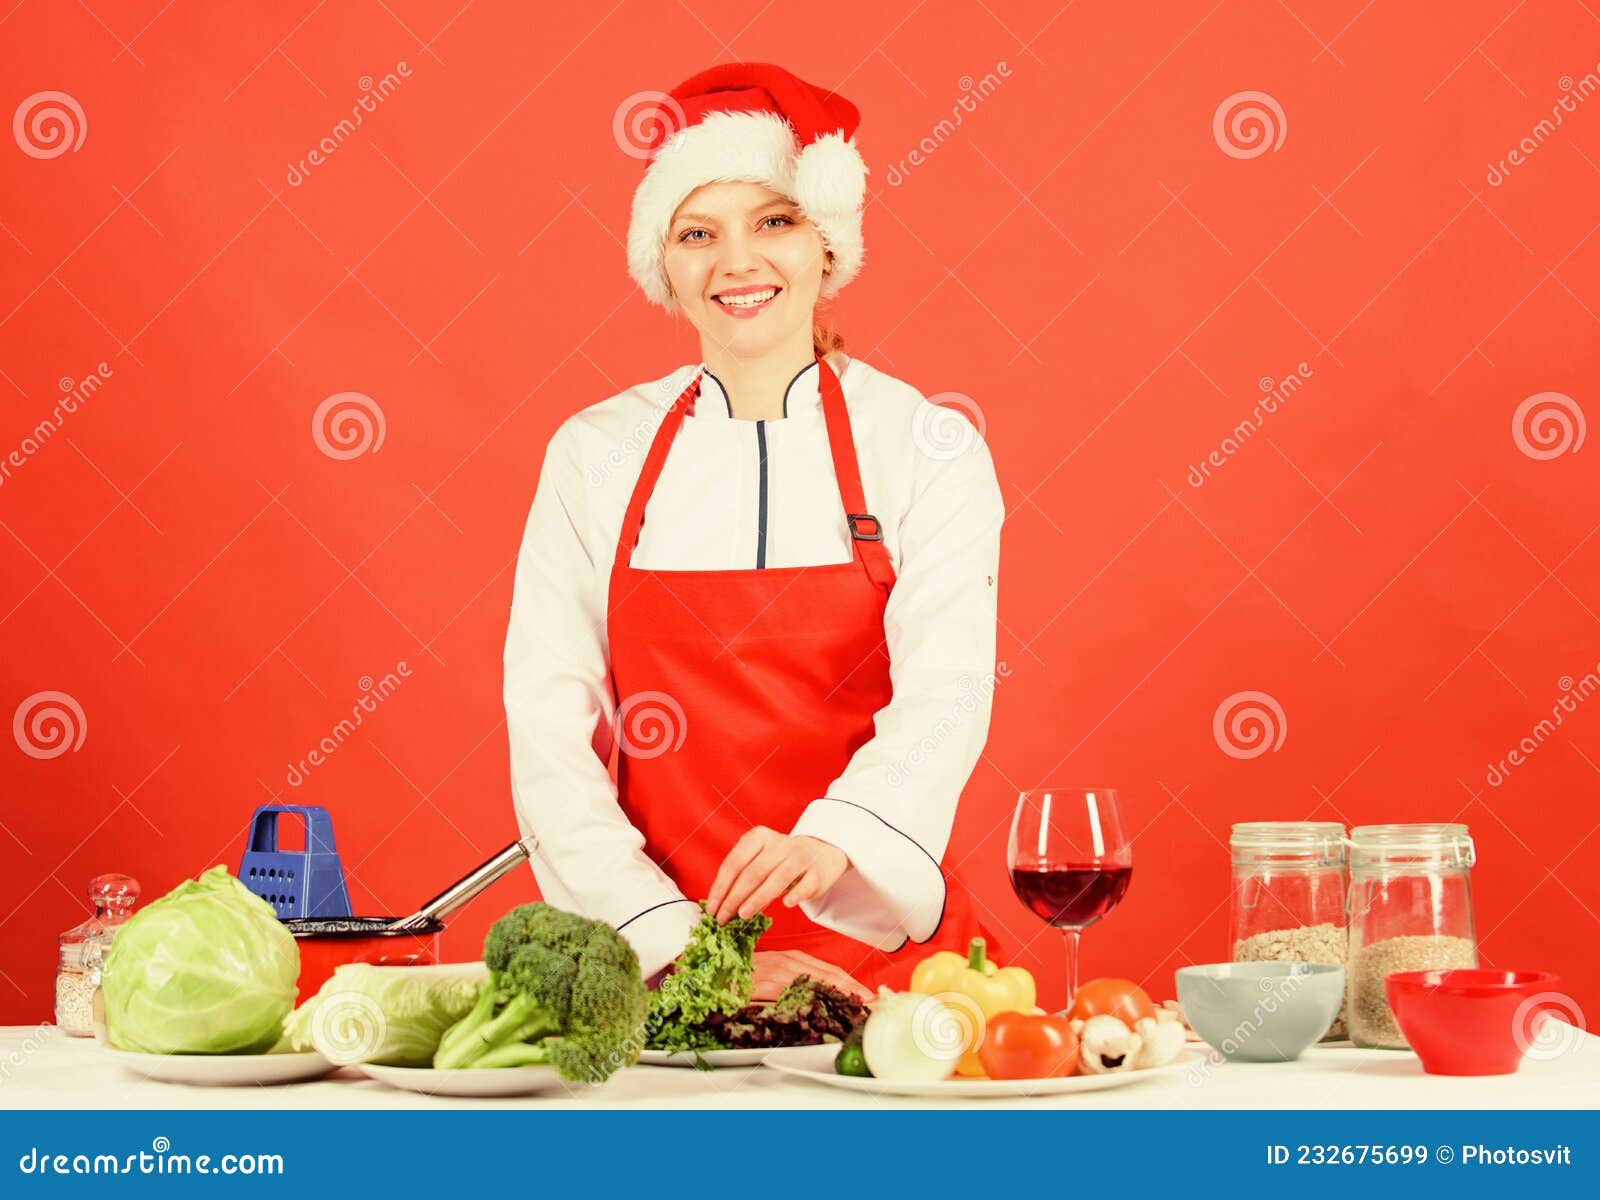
point(469, 1081)
point(730, 1058)
point(819, 1069)
point(225, 1070)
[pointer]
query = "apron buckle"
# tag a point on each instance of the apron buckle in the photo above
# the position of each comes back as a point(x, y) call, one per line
point(877, 529)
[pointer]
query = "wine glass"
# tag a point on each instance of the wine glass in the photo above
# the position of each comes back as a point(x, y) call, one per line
point(1070, 860)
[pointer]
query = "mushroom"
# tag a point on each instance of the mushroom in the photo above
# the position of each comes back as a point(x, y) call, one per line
point(1106, 1044)
point(1162, 1036)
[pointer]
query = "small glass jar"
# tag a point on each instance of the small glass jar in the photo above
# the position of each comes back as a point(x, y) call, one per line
point(1289, 895)
point(82, 950)
point(1410, 910)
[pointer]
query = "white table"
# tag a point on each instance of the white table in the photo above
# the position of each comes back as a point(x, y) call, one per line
point(41, 1068)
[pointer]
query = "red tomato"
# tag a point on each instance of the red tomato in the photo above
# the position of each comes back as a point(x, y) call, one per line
point(1114, 998)
point(1019, 1045)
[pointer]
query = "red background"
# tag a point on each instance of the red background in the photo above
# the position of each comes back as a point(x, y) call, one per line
point(1080, 258)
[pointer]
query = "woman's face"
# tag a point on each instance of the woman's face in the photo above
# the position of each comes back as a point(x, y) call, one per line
point(745, 266)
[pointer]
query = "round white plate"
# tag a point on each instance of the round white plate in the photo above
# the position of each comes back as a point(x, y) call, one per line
point(820, 1070)
point(468, 1081)
point(225, 1070)
point(732, 1058)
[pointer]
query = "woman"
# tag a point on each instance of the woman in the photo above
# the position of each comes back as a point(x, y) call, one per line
point(758, 581)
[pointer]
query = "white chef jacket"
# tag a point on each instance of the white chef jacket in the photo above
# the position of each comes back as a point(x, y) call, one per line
point(739, 494)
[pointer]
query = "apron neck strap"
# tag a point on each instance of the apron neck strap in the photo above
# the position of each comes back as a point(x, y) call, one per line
point(866, 535)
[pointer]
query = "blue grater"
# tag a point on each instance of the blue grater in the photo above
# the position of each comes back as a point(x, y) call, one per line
point(297, 883)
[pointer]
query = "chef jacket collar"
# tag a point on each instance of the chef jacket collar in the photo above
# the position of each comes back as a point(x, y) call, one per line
point(803, 395)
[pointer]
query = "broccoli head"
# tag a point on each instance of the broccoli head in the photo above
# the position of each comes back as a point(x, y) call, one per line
point(562, 989)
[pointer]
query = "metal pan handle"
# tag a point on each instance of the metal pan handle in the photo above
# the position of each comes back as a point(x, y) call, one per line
point(458, 893)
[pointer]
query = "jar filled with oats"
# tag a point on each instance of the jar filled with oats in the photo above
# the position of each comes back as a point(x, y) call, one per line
point(81, 951)
point(1289, 895)
point(1410, 910)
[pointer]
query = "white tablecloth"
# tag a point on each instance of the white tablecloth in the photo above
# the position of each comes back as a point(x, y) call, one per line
point(41, 1068)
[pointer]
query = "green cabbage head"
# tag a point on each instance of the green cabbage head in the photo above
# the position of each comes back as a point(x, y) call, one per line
point(206, 969)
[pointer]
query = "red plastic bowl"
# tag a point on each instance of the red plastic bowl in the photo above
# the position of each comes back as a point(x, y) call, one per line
point(1473, 1021)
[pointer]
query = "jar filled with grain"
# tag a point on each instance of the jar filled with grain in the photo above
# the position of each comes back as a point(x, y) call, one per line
point(1289, 895)
point(81, 951)
point(1410, 910)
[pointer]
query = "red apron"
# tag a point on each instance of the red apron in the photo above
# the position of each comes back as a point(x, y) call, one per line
point(765, 682)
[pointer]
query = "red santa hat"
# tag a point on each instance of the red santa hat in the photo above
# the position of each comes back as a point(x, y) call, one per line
point(754, 122)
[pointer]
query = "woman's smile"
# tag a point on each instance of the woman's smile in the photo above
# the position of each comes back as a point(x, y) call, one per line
point(746, 302)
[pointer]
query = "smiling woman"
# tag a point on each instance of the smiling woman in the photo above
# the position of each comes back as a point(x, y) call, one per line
point(770, 611)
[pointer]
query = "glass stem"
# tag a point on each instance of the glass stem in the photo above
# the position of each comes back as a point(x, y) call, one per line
point(1070, 936)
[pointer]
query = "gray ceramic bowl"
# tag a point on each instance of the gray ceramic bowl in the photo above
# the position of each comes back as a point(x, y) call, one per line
point(1260, 1011)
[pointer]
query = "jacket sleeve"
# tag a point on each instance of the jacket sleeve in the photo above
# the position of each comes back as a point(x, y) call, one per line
point(892, 809)
point(560, 711)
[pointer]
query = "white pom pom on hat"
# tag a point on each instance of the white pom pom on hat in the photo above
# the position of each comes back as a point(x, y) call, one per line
point(758, 123)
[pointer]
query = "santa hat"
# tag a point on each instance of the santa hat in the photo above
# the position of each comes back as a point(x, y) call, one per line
point(753, 122)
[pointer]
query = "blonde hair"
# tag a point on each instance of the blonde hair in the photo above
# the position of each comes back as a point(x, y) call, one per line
point(825, 339)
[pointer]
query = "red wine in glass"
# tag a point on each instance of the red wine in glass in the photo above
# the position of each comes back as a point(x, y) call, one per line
point(1071, 861)
point(1071, 896)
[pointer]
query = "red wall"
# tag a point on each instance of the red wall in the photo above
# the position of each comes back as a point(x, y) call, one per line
point(1080, 257)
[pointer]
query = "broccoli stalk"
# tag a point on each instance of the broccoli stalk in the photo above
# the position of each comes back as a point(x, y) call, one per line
point(562, 989)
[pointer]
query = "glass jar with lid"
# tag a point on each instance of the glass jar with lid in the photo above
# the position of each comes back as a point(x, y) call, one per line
point(1410, 910)
point(82, 950)
point(1289, 895)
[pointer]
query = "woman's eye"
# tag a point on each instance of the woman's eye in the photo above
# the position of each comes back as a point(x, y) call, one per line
point(781, 217)
point(688, 235)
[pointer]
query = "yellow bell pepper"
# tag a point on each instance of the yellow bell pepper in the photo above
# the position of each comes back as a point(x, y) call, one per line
point(974, 981)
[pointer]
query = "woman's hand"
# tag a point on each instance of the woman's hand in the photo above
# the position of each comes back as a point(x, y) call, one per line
point(775, 969)
point(765, 864)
